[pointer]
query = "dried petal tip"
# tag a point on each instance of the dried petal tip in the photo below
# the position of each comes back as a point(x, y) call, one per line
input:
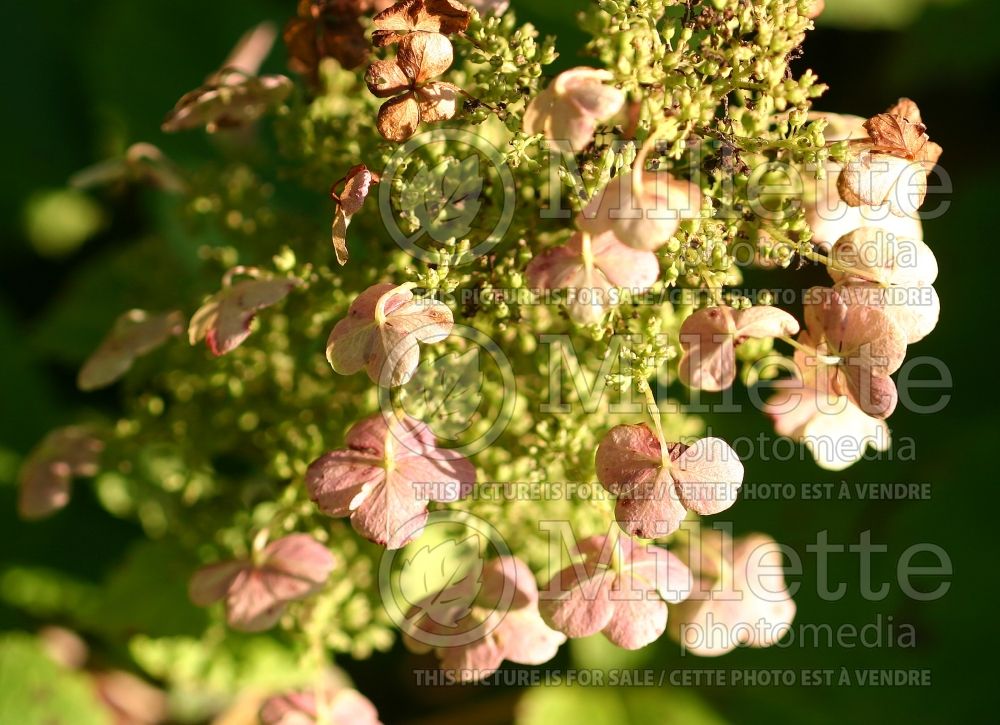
point(422, 56)
point(229, 100)
point(356, 186)
point(427, 16)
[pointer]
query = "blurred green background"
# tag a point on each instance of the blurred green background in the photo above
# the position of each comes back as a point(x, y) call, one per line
point(84, 79)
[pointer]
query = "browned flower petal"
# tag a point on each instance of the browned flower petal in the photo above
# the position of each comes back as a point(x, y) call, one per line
point(907, 109)
point(398, 118)
point(357, 183)
point(438, 101)
point(300, 39)
point(897, 135)
point(386, 78)
point(346, 42)
point(423, 56)
point(930, 154)
point(432, 16)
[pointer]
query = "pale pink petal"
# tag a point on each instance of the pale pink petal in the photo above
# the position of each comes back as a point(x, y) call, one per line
point(871, 336)
point(872, 391)
point(224, 321)
point(645, 222)
point(661, 570)
point(575, 602)
point(627, 457)
point(251, 606)
point(337, 480)
point(427, 320)
point(708, 476)
point(391, 515)
point(211, 583)
point(764, 322)
point(386, 476)
point(297, 565)
point(293, 708)
point(623, 265)
point(707, 338)
point(350, 344)
point(555, 268)
point(46, 475)
point(791, 407)
point(651, 510)
point(443, 475)
point(473, 662)
point(350, 707)
point(638, 619)
point(525, 638)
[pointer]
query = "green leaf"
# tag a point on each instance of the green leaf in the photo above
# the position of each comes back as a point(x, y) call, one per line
point(446, 571)
point(34, 690)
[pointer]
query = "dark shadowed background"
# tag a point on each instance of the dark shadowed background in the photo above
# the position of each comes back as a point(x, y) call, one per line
point(85, 78)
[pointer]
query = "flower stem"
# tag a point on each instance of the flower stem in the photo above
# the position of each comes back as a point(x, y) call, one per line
point(654, 412)
point(833, 264)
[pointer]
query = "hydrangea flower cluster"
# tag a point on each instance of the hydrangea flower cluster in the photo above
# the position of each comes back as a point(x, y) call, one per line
point(250, 456)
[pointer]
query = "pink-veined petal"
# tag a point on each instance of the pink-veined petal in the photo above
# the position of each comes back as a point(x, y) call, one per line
point(652, 509)
point(627, 457)
point(337, 480)
point(251, 606)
